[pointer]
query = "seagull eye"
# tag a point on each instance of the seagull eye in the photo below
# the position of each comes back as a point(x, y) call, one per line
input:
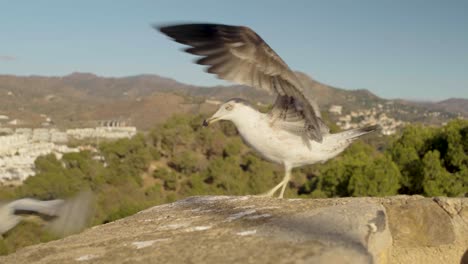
point(229, 107)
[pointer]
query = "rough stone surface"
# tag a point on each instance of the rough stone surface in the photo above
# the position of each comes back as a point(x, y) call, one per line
point(222, 229)
point(421, 223)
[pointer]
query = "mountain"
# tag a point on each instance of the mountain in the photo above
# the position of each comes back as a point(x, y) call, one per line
point(454, 105)
point(329, 95)
point(84, 99)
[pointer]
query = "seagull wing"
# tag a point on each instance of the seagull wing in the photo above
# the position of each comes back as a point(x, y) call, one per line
point(285, 115)
point(11, 213)
point(238, 54)
point(33, 206)
point(65, 217)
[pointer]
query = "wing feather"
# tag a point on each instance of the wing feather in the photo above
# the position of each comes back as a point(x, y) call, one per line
point(238, 54)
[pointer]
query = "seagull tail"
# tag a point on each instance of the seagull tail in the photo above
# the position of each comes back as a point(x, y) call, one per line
point(358, 132)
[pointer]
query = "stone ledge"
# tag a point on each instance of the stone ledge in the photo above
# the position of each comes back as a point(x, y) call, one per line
point(247, 229)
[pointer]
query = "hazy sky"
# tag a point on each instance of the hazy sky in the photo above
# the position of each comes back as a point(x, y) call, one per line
point(414, 49)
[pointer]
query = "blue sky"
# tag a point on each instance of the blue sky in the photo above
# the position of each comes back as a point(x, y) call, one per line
point(397, 49)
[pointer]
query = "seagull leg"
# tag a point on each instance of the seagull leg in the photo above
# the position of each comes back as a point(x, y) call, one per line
point(285, 181)
point(272, 191)
point(283, 184)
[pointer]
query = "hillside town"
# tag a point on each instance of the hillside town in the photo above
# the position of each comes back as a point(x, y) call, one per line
point(367, 117)
point(20, 147)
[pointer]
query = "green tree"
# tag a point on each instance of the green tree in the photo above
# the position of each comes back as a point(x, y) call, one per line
point(379, 178)
point(261, 175)
point(456, 155)
point(53, 181)
point(406, 152)
point(187, 162)
point(437, 179)
point(126, 159)
point(168, 177)
point(359, 171)
point(226, 175)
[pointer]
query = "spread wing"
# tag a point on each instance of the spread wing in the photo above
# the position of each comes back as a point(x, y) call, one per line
point(238, 54)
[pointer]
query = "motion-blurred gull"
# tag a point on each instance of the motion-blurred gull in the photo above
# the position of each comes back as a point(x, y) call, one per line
point(292, 133)
point(63, 216)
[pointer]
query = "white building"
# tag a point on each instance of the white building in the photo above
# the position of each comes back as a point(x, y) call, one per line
point(335, 109)
point(20, 148)
point(370, 117)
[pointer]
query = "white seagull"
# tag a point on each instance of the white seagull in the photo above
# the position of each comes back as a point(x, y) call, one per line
point(63, 217)
point(292, 133)
point(12, 213)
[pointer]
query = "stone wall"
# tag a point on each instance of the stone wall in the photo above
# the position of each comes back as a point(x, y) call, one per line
point(247, 229)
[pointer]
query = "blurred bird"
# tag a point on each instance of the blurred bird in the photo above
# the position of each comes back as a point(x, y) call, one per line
point(63, 217)
point(292, 133)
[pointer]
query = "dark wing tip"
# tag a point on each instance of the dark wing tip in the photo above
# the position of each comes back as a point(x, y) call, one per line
point(185, 33)
point(371, 128)
point(195, 28)
point(157, 27)
point(180, 26)
point(196, 34)
point(163, 28)
point(166, 28)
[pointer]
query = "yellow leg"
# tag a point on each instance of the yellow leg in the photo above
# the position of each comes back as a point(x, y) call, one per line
point(284, 182)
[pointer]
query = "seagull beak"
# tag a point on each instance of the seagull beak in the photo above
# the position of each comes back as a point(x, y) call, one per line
point(210, 120)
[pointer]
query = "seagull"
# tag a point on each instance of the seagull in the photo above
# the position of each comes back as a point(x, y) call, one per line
point(64, 217)
point(292, 133)
point(12, 213)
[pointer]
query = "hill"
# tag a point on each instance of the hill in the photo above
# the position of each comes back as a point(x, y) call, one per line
point(454, 105)
point(82, 99)
point(85, 99)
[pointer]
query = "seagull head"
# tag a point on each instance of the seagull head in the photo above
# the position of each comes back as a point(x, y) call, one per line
point(230, 110)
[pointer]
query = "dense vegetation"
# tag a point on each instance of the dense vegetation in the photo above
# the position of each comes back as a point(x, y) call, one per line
point(180, 158)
